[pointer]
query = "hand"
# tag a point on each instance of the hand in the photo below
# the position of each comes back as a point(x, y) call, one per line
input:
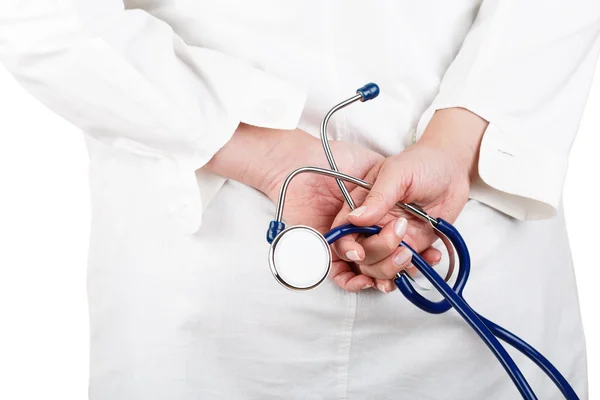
point(262, 158)
point(435, 174)
point(315, 200)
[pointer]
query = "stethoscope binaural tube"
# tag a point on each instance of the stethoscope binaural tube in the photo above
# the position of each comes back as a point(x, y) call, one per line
point(365, 93)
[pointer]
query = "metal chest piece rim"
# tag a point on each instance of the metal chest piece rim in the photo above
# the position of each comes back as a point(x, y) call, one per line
point(305, 243)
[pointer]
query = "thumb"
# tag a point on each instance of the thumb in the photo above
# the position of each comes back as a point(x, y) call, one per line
point(386, 191)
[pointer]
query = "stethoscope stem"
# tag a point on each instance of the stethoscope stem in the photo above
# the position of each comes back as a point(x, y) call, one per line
point(327, 148)
point(339, 176)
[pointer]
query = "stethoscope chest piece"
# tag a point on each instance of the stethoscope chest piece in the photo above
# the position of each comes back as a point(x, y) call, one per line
point(300, 258)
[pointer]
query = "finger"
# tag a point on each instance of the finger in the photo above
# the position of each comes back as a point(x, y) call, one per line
point(387, 190)
point(346, 247)
point(419, 235)
point(385, 285)
point(390, 266)
point(349, 249)
point(377, 247)
point(432, 256)
point(343, 276)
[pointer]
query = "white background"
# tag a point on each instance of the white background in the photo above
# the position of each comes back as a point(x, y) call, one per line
point(44, 222)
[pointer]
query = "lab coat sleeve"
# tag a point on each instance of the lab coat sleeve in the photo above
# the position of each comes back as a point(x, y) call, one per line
point(126, 79)
point(526, 67)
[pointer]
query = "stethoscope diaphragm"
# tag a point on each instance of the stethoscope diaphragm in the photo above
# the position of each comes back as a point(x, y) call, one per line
point(300, 258)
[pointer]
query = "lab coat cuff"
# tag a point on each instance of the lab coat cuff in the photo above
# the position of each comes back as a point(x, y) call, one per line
point(515, 176)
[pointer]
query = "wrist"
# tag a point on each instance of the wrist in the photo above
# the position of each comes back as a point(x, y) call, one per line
point(458, 132)
point(261, 157)
point(242, 158)
point(293, 150)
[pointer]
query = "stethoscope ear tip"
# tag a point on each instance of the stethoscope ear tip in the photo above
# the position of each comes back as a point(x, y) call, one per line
point(368, 91)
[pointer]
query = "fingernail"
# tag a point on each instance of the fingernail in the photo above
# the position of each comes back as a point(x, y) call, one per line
point(400, 227)
point(381, 287)
point(367, 286)
point(436, 262)
point(403, 257)
point(352, 255)
point(359, 211)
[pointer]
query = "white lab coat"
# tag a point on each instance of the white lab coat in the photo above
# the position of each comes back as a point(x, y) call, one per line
point(182, 304)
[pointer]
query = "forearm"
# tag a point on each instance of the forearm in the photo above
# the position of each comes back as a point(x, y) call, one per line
point(459, 132)
point(258, 156)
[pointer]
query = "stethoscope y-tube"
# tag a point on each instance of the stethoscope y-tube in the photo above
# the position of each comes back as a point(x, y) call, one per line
point(487, 330)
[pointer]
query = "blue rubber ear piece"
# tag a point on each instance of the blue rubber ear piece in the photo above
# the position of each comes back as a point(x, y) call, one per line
point(368, 92)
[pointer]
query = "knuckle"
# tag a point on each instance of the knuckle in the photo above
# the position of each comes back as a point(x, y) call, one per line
point(389, 285)
point(338, 248)
point(376, 195)
point(342, 279)
point(389, 274)
point(388, 271)
point(390, 245)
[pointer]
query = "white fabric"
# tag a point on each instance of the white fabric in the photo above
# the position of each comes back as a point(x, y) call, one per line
point(182, 304)
point(526, 67)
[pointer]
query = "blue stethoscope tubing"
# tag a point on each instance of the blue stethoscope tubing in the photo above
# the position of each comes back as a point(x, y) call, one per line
point(487, 330)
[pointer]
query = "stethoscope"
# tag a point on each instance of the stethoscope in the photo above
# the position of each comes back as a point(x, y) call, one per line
point(300, 260)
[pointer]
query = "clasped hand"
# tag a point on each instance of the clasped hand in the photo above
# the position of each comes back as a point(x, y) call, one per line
point(435, 173)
